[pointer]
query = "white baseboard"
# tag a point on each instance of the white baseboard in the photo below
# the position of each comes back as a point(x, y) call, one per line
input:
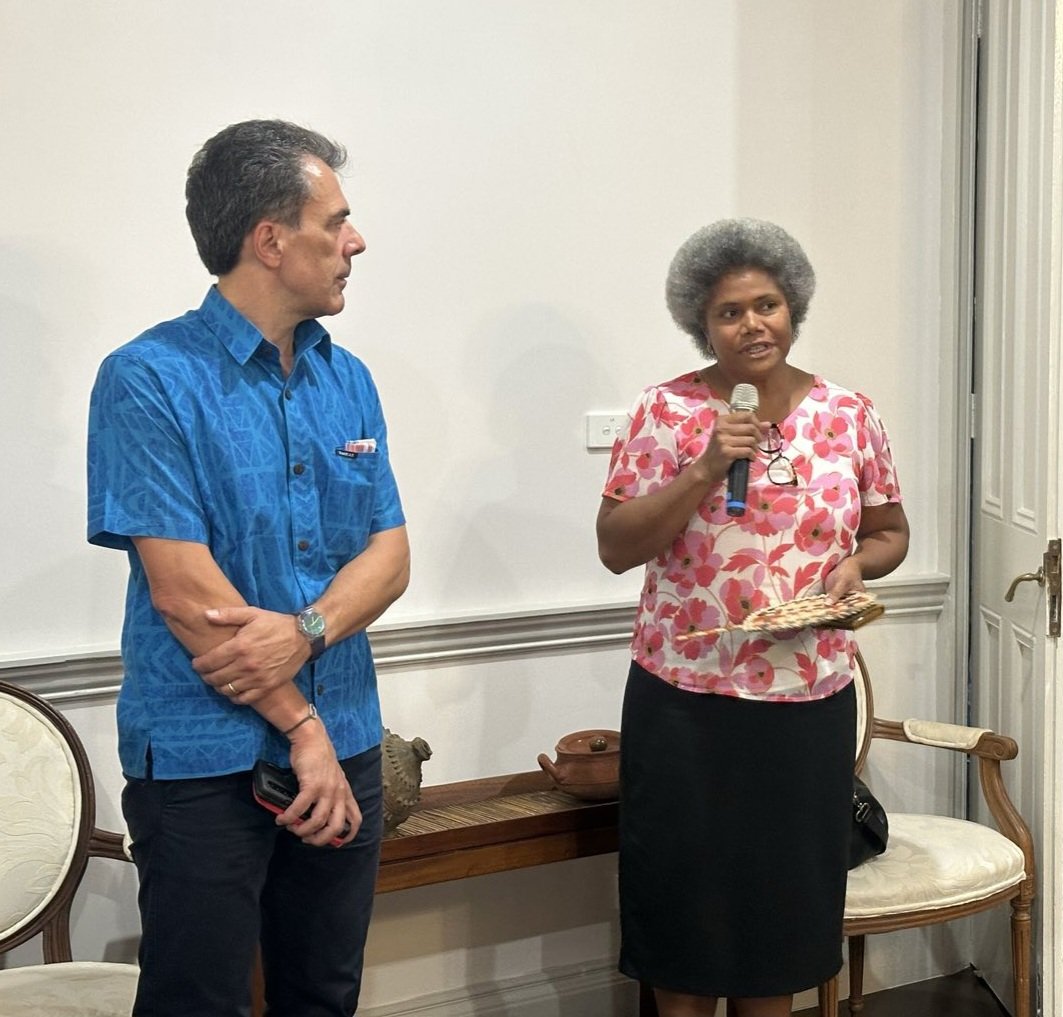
point(577, 991)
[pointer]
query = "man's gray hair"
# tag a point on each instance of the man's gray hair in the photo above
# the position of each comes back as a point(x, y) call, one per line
point(730, 245)
point(248, 172)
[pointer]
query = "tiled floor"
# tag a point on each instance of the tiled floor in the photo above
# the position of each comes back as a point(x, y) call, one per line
point(959, 995)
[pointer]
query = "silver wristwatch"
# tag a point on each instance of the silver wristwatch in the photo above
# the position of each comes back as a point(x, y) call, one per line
point(311, 624)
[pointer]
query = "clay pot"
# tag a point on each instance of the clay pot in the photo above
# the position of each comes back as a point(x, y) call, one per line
point(587, 765)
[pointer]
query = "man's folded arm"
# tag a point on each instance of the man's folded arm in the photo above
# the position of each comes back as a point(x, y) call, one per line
point(186, 584)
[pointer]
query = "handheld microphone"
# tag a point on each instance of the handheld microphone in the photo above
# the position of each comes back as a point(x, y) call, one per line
point(743, 398)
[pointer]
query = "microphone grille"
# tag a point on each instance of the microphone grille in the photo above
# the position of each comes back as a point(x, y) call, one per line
point(744, 397)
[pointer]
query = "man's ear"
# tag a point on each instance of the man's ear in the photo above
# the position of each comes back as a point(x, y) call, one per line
point(266, 242)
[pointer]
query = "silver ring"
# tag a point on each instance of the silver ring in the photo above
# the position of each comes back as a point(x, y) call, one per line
point(232, 688)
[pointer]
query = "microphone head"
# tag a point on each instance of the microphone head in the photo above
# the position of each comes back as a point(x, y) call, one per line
point(745, 397)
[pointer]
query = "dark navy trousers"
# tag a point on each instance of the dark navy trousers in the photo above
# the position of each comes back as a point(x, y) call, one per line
point(218, 877)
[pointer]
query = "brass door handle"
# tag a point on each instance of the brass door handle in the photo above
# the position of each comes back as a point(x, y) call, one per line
point(1027, 577)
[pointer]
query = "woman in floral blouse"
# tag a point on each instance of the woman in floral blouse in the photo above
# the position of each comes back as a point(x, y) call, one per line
point(738, 748)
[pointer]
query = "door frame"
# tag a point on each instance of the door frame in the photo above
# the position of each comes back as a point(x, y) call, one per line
point(1047, 981)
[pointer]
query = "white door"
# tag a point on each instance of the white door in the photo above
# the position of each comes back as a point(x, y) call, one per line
point(1015, 461)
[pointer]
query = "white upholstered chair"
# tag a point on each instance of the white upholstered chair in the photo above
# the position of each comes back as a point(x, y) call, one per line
point(937, 868)
point(47, 834)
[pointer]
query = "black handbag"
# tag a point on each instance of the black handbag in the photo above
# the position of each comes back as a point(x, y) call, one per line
point(871, 828)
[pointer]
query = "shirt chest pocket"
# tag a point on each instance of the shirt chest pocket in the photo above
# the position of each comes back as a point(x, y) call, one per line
point(348, 498)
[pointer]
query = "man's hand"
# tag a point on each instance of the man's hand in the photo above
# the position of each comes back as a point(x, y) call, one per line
point(322, 784)
point(264, 653)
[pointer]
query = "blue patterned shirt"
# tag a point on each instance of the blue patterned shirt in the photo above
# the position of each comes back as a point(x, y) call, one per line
point(195, 434)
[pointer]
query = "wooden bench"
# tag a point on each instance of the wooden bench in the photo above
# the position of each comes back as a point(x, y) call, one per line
point(495, 824)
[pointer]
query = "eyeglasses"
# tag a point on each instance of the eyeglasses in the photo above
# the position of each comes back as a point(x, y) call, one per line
point(780, 470)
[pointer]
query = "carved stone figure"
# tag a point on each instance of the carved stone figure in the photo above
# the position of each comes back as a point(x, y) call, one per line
point(401, 764)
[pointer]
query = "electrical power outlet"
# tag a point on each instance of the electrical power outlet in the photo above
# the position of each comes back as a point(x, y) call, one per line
point(604, 428)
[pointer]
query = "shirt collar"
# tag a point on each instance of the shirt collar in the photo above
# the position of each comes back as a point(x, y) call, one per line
point(243, 340)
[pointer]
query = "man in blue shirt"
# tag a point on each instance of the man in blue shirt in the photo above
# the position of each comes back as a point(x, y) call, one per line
point(241, 461)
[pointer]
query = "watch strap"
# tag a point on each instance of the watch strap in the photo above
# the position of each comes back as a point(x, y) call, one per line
point(317, 646)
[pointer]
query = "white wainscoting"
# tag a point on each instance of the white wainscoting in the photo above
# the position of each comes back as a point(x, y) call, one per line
point(490, 692)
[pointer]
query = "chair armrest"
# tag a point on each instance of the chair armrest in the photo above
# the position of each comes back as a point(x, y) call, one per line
point(106, 844)
point(943, 736)
point(990, 749)
point(974, 741)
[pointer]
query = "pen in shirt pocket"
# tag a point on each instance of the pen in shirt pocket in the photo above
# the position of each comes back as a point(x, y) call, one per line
point(349, 449)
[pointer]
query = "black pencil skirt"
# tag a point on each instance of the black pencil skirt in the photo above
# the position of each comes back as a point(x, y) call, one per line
point(734, 827)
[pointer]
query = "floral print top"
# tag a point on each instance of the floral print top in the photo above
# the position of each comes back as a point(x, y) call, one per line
point(722, 567)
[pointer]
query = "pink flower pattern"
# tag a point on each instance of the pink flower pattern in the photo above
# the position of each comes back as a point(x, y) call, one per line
point(720, 568)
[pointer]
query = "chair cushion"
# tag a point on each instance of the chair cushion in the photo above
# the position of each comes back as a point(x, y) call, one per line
point(79, 989)
point(933, 862)
point(40, 801)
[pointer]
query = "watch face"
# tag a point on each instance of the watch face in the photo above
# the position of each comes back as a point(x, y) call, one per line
point(311, 623)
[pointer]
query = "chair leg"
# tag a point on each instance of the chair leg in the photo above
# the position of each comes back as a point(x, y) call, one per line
point(828, 998)
point(856, 974)
point(1020, 955)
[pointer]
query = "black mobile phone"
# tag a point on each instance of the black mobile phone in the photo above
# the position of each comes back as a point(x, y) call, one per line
point(276, 788)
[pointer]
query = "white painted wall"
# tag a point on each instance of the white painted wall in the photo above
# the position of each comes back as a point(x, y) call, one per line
point(523, 172)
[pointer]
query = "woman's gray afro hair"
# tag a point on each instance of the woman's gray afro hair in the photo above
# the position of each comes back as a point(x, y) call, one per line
point(728, 246)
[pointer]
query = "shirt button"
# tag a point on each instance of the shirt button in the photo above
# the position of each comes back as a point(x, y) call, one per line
point(303, 545)
point(321, 690)
point(287, 393)
point(298, 468)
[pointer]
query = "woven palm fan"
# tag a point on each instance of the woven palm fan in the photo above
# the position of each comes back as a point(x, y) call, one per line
point(852, 611)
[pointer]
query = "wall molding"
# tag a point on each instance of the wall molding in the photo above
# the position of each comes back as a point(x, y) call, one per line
point(82, 676)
